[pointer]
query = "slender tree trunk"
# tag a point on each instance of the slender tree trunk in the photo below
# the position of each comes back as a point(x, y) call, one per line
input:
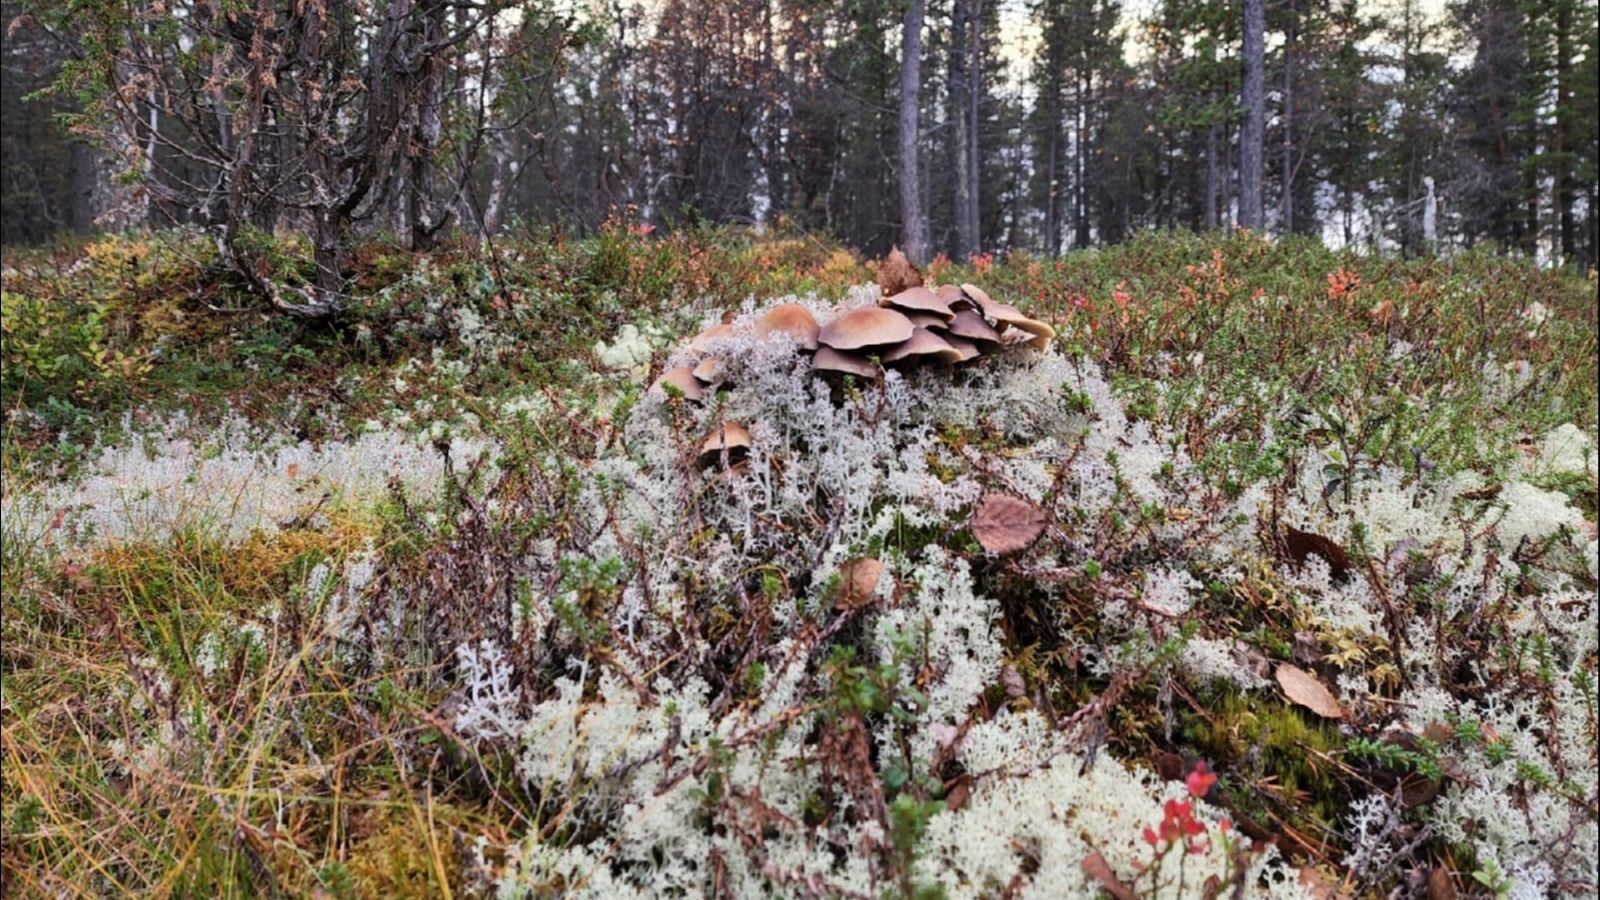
point(153, 125)
point(1080, 188)
point(1561, 175)
point(492, 208)
point(1286, 203)
point(913, 227)
point(974, 119)
point(774, 106)
point(1052, 200)
point(327, 231)
point(430, 132)
point(965, 241)
point(1252, 98)
point(1211, 170)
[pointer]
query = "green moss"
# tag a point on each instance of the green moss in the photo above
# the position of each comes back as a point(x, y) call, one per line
point(1282, 749)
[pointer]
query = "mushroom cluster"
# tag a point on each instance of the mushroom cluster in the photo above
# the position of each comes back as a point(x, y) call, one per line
point(949, 325)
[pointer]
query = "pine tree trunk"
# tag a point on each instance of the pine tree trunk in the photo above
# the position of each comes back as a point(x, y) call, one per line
point(1561, 176)
point(913, 228)
point(1211, 172)
point(974, 106)
point(1286, 205)
point(1252, 98)
point(965, 240)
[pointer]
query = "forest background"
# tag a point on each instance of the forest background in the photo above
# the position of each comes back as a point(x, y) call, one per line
point(1042, 126)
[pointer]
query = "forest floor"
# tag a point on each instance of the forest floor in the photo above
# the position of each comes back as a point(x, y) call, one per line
point(437, 599)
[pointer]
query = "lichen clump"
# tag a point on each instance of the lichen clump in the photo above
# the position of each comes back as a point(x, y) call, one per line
point(710, 703)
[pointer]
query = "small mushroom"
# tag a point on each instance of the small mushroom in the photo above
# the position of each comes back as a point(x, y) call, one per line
point(869, 326)
point(973, 327)
point(710, 370)
point(683, 379)
point(828, 359)
point(978, 296)
point(928, 319)
point(923, 345)
point(921, 300)
point(728, 437)
point(1042, 333)
point(702, 342)
point(966, 348)
point(1005, 315)
point(791, 319)
point(951, 294)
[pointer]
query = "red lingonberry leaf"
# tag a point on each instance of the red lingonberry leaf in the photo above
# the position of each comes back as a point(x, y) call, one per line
point(1199, 782)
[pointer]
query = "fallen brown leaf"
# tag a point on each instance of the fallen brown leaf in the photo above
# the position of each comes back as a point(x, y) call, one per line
point(858, 582)
point(1319, 885)
point(1302, 544)
point(1440, 885)
point(896, 273)
point(1303, 688)
point(1005, 524)
point(958, 792)
point(1096, 867)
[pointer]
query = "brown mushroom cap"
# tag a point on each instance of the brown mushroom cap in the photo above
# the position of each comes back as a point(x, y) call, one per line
point(683, 379)
point(791, 319)
point(1003, 314)
point(828, 359)
point(928, 319)
point(956, 297)
point(702, 342)
point(966, 348)
point(710, 369)
point(869, 326)
point(1042, 333)
point(973, 327)
point(919, 299)
point(923, 344)
point(729, 436)
point(979, 296)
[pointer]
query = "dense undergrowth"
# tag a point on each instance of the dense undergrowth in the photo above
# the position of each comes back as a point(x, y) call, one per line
point(434, 600)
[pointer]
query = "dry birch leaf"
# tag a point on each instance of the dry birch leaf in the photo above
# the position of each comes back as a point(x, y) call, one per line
point(1005, 524)
point(1318, 884)
point(1095, 866)
point(858, 582)
point(1302, 544)
point(896, 273)
point(1440, 885)
point(1303, 688)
